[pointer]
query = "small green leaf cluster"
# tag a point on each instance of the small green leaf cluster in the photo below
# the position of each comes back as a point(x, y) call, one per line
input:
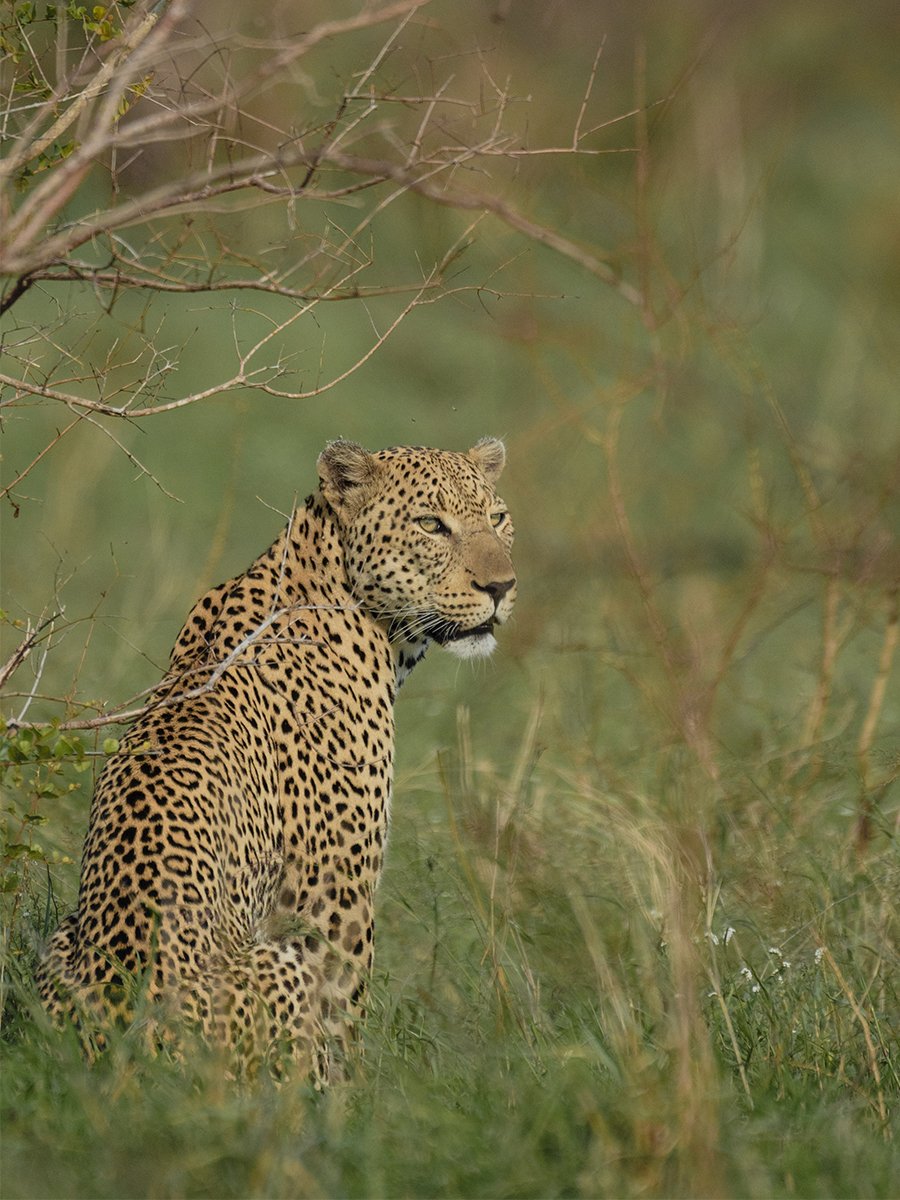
point(38, 765)
point(47, 159)
point(97, 19)
point(29, 43)
point(30, 32)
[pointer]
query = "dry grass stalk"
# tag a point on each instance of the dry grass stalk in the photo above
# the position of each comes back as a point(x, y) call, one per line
point(867, 732)
point(867, 1034)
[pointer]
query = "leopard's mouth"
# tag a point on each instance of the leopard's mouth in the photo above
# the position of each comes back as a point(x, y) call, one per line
point(450, 631)
point(441, 630)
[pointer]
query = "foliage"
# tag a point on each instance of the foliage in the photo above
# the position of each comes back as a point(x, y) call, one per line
point(637, 934)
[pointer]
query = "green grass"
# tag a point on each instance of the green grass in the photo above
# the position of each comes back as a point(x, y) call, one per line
point(638, 933)
point(560, 1008)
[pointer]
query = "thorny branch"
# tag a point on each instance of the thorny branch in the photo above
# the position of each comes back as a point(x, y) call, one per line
point(258, 377)
point(148, 87)
point(144, 38)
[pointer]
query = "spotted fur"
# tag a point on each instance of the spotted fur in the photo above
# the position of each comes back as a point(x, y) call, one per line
point(237, 835)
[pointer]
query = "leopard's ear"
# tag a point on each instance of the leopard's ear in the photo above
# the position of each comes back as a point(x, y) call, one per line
point(346, 472)
point(489, 455)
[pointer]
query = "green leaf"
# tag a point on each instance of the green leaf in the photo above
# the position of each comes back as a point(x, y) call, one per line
point(20, 850)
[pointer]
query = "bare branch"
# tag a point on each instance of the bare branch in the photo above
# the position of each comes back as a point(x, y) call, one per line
point(119, 279)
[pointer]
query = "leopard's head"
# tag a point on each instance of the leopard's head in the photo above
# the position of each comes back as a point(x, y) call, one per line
point(426, 540)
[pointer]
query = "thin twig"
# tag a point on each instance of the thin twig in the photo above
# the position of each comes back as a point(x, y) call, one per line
point(60, 434)
point(25, 647)
point(576, 132)
point(38, 674)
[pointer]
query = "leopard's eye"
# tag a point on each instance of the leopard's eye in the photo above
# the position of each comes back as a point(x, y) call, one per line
point(498, 518)
point(432, 524)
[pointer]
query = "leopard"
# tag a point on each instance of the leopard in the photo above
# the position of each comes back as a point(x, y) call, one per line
point(237, 833)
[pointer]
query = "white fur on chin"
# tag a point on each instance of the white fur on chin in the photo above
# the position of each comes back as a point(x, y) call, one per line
point(479, 645)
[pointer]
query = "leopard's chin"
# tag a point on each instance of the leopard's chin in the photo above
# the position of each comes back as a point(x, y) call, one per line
point(479, 643)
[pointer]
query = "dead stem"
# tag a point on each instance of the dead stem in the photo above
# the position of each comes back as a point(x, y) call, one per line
point(867, 1034)
point(867, 732)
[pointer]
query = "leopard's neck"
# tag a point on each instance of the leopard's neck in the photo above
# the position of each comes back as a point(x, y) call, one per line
point(314, 560)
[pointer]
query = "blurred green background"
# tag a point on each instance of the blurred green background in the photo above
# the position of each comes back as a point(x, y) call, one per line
point(692, 722)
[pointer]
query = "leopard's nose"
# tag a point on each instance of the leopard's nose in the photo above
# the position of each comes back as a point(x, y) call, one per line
point(496, 589)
